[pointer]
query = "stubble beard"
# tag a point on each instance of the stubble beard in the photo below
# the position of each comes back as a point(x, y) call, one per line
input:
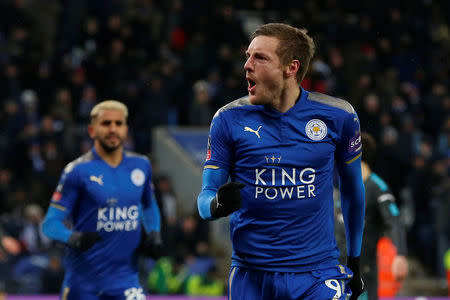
point(268, 96)
point(107, 148)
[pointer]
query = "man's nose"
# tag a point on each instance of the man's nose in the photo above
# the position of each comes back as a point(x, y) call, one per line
point(248, 64)
point(113, 127)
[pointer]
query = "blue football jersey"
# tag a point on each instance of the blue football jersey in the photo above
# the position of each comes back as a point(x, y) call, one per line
point(107, 200)
point(286, 161)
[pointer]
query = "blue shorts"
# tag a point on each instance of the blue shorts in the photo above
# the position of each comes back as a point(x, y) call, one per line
point(77, 293)
point(329, 283)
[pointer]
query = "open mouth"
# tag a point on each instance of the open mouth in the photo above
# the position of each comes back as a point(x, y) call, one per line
point(251, 85)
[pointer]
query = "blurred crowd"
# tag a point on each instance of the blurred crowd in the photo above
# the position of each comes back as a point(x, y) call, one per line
point(176, 62)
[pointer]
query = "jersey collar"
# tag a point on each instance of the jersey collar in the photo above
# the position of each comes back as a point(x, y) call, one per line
point(96, 156)
point(299, 103)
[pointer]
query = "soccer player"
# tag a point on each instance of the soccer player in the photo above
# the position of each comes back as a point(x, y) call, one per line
point(107, 194)
point(279, 146)
point(382, 217)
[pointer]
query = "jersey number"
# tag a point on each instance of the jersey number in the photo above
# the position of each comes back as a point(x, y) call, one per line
point(335, 286)
point(134, 294)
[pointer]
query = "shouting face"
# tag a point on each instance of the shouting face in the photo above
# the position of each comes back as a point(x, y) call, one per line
point(264, 72)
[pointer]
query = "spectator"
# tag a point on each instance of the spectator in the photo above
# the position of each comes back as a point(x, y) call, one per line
point(168, 276)
point(53, 275)
point(201, 111)
point(34, 241)
point(5, 190)
point(167, 201)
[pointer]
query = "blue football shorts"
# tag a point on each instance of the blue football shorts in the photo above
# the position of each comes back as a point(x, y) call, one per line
point(77, 293)
point(328, 283)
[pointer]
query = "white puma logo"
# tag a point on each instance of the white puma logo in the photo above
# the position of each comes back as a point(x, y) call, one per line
point(246, 128)
point(98, 179)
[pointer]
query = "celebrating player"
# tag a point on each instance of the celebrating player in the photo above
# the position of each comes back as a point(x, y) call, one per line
point(279, 146)
point(107, 193)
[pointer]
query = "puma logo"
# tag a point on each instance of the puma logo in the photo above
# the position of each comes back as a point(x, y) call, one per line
point(246, 128)
point(98, 179)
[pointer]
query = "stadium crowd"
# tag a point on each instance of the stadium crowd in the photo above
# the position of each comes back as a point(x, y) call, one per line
point(175, 63)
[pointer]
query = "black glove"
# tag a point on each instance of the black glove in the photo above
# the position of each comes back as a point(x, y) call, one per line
point(152, 245)
point(356, 284)
point(227, 200)
point(83, 240)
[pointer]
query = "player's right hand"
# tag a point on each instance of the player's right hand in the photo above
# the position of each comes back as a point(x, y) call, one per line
point(227, 200)
point(356, 284)
point(83, 240)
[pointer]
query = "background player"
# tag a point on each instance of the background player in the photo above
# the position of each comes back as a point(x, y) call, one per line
point(279, 146)
point(107, 193)
point(382, 217)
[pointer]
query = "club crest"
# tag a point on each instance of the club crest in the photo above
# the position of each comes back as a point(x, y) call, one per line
point(316, 129)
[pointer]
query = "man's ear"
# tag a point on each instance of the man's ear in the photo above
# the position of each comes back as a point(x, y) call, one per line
point(292, 68)
point(91, 132)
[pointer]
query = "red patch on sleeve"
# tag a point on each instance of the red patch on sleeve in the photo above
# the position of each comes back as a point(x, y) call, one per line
point(56, 196)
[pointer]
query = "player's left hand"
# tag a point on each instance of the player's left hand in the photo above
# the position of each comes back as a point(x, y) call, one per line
point(356, 284)
point(152, 245)
point(227, 200)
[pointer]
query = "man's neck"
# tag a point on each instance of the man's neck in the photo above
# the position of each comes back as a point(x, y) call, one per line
point(288, 98)
point(112, 158)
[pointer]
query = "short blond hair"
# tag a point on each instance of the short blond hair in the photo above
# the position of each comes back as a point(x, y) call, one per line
point(108, 105)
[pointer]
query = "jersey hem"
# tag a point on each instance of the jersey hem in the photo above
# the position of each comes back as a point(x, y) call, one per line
point(326, 263)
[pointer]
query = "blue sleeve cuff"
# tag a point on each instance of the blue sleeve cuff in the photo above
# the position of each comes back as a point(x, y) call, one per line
point(204, 203)
point(212, 180)
point(53, 225)
point(151, 218)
